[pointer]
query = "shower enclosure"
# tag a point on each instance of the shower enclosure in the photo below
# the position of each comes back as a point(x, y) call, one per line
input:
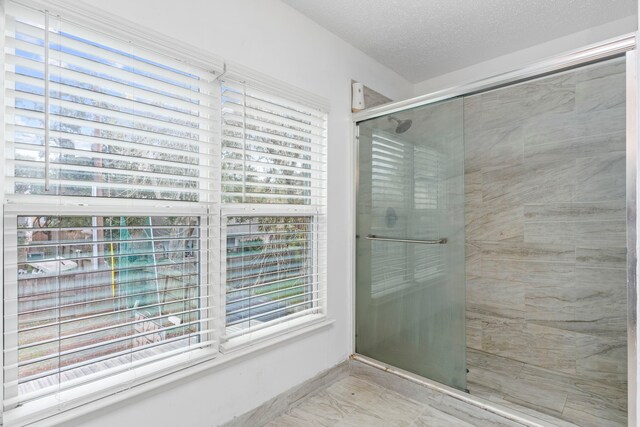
point(491, 243)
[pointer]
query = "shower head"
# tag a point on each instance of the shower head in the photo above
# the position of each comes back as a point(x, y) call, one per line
point(402, 125)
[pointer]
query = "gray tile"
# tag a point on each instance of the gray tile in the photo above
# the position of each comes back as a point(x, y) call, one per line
point(496, 297)
point(531, 182)
point(431, 417)
point(389, 409)
point(578, 233)
point(493, 224)
point(550, 348)
point(352, 390)
point(601, 178)
point(504, 336)
point(473, 259)
point(527, 252)
point(472, 415)
point(517, 103)
point(409, 389)
point(601, 93)
point(602, 359)
point(553, 232)
point(566, 126)
point(285, 420)
point(601, 257)
point(492, 148)
point(571, 149)
point(601, 69)
point(473, 328)
point(601, 301)
point(323, 409)
point(593, 412)
point(571, 212)
point(551, 303)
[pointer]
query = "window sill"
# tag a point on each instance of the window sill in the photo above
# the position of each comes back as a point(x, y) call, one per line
point(253, 338)
point(37, 415)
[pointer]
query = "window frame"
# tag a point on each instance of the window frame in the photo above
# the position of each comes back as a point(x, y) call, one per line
point(80, 400)
point(146, 371)
point(232, 344)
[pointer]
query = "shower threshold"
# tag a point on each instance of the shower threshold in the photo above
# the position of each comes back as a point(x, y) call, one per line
point(477, 410)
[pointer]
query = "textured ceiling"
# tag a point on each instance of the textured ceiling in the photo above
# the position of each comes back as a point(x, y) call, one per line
point(420, 39)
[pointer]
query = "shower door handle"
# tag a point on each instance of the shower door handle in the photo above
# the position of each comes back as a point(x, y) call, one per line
point(391, 239)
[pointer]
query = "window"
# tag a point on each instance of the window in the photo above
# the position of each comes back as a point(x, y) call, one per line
point(95, 293)
point(141, 235)
point(111, 155)
point(273, 193)
point(270, 270)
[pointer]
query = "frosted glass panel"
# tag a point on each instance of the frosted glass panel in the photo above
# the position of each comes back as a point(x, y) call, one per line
point(411, 296)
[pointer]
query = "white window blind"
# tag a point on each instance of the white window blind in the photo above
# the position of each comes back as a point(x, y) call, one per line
point(273, 148)
point(108, 287)
point(273, 271)
point(274, 184)
point(96, 295)
point(91, 115)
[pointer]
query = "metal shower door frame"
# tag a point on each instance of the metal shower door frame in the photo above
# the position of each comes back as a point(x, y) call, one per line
point(617, 47)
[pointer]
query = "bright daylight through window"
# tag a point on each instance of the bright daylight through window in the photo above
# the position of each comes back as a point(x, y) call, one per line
point(121, 189)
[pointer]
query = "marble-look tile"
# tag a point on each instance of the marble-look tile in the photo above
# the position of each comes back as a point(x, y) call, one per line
point(545, 95)
point(495, 297)
point(553, 232)
point(601, 178)
point(528, 271)
point(391, 409)
point(322, 409)
point(394, 383)
point(473, 329)
point(531, 182)
point(550, 348)
point(549, 225)
point(601, 93)
point(473, 415)
point(286, 420)
point(566, 126)
point(592, 412)
point(551, 303)
point(601, 69)
point(578, 233)
point(571, 149)
point(473, 258)
point(493, 224)
point(492, 363)
point(504, 336)
point(495, 379)
point(571, 212)
point(540, 97)
point(527, 252)
point(433, 418)
point(602, 359)
point(533, 412)
point(492, 148)
point(601, 257)
point(600, 301)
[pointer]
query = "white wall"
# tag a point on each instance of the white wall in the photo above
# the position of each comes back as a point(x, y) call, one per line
point(524, 57)
point(270, 37)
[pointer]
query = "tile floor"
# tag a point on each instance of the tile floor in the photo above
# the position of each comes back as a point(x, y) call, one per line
point(354, 401)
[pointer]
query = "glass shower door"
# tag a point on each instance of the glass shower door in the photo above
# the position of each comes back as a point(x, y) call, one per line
point(410, 291)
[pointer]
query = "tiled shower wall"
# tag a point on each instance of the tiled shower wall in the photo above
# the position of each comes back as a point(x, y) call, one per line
point(545, 236)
